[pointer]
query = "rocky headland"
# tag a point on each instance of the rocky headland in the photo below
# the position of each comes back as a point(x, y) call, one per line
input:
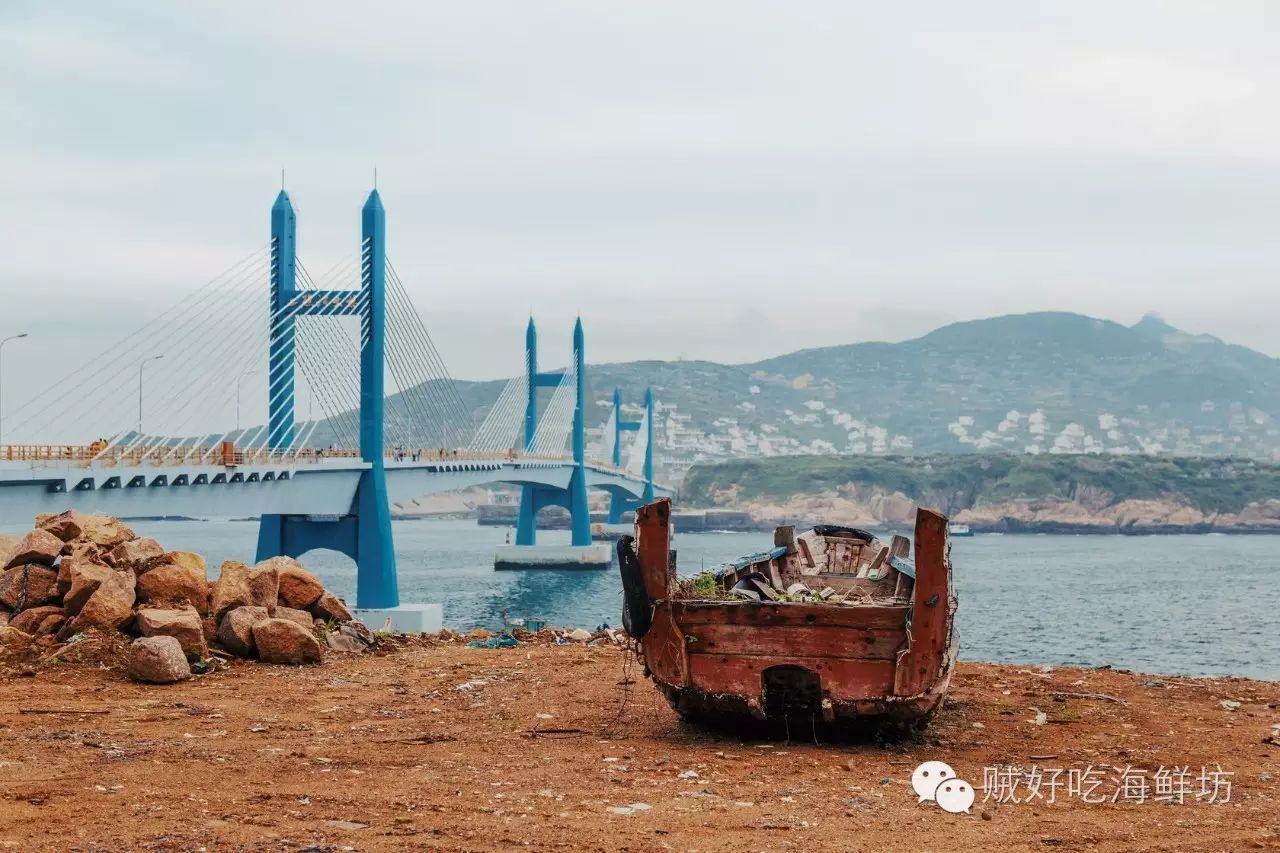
point(1008, 494)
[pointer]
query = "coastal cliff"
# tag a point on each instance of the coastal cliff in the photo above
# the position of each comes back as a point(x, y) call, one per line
point(1010, 494)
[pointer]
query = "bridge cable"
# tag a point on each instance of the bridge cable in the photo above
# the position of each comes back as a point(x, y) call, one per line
point(193, 352)
point(124, 362)
point(427, 349)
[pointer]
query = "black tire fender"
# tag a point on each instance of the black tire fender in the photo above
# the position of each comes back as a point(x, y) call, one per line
point(637, 609)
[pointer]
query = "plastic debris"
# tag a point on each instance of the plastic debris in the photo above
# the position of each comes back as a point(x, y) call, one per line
point(498, 641)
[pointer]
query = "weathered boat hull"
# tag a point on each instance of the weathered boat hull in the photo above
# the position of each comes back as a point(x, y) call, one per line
point(717, 659)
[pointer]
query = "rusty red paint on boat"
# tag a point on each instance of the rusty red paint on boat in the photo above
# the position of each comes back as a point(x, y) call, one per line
point(886, 651)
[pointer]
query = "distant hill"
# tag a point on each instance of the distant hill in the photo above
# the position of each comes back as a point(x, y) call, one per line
point(1005, 384)
point(1001, 492)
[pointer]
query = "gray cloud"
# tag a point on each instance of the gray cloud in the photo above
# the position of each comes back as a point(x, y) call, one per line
point(719, 179)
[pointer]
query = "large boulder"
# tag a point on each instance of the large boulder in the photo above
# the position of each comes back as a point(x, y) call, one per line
point(65, 565)
point(283, 641)
point(298, 587)
point(330, 608)
point(136, 554)
point(30, 620)
point(105, 531)
point(12, 638)
point(65, 525)
point(183, 625)
point(189, 559)
point(158, 660)
point(110, 606)
point(231, 589)
point(83, 549)
point(301, 617)
point(28, 586)
point(264, 585)
point(52, 623)
point(175, 584)
point(38, 546)
point(7, 544)
point(235, 631)
point(85, 580)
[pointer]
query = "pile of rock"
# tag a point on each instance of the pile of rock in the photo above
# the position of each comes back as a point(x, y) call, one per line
point(74, 573)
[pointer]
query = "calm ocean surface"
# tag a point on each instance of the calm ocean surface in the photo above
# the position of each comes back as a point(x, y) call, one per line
point(1172, 604)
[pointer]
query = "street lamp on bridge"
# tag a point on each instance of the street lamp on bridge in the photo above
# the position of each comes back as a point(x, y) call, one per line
point(141, 365)
point(2, 343)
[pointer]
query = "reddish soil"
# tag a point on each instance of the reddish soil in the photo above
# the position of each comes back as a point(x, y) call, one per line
point(429, 746)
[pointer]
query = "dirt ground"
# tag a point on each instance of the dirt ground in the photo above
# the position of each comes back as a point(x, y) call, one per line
point(431, 745)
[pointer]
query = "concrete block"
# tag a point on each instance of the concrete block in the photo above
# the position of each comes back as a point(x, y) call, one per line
point(405, 619)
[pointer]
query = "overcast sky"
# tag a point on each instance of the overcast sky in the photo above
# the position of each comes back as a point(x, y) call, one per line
point(719, 179)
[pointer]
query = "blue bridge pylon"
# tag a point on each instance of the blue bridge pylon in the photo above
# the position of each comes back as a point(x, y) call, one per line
point(534, 498)
point(620, 503)
point(364, 533)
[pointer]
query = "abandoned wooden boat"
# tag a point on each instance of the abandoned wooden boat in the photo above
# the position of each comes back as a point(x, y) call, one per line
point(830, 625)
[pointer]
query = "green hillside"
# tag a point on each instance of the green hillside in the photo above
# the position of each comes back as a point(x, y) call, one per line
point(954, 483)
point(999, 385)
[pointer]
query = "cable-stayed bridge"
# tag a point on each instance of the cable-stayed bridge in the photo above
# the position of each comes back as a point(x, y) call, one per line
point(151, 426)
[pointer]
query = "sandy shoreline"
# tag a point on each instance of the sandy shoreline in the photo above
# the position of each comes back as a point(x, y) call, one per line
point(429, 745)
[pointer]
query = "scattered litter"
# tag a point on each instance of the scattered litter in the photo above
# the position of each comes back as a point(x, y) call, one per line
point(630, 809)
point(1104, 697)
point(799, 592)
point(498, 641)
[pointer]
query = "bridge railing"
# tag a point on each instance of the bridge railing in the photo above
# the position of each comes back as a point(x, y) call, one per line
point(228, 455)
point(45, 453)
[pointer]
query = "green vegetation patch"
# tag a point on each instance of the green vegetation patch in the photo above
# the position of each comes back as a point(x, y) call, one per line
point(960, 482)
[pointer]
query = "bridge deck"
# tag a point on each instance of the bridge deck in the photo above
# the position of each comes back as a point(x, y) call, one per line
point(315, 486)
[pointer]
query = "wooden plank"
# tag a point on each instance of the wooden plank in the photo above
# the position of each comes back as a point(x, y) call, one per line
point(873, 571)
point(653, 530)
point(807, 556)
point(921, 664)
point(792, 640)
point(690, 613)
point(743, 674)
point(664, 648)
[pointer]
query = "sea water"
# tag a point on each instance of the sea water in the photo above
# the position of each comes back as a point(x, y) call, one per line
point(1172, 604)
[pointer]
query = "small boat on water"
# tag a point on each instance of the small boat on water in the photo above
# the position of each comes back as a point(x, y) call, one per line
point(830, 625)
point(959, 529)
